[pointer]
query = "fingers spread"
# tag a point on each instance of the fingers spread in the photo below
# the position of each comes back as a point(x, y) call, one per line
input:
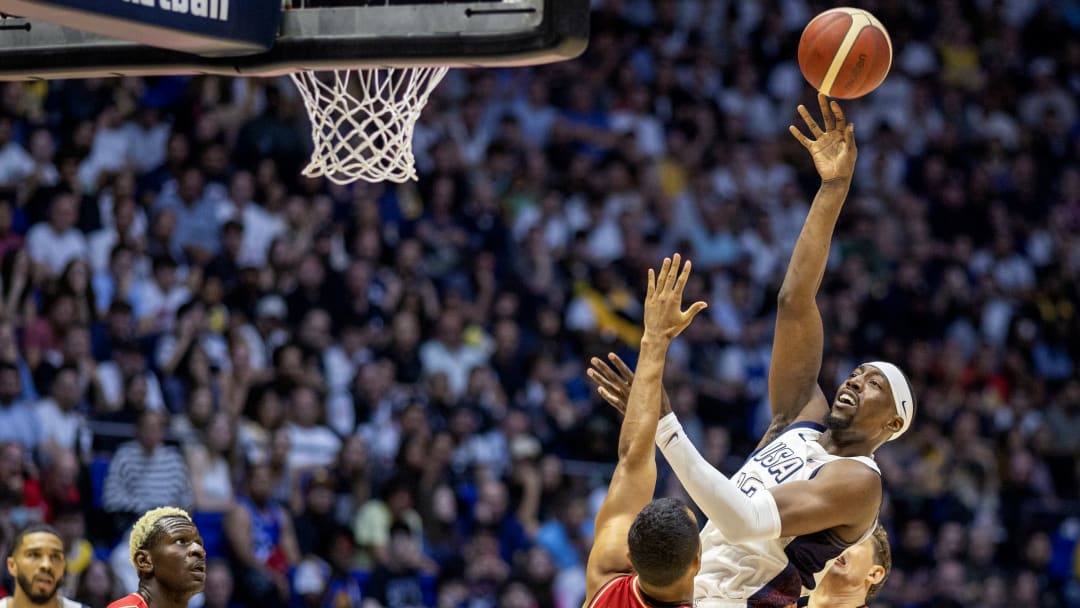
point(684, 276)
point(674, 271)
point(662, 280)
point(694, 309)
point(826, 113)
point(622, 367)
point(799, 136)
point(841, 121)
point(599, 369)
point(605, 384)
point(811, 124)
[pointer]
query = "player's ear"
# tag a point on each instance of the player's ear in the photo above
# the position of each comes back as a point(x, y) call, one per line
point(144, 564)
point(11, 566)
point(895, 424)
point(875, 575)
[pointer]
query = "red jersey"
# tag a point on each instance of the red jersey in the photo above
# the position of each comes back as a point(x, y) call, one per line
point(619, 592)
point(129, 601)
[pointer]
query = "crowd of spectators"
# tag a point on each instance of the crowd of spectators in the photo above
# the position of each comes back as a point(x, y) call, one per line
point(375, 395)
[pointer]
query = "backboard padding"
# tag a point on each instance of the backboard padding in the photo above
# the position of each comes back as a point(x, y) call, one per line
point(454, 34)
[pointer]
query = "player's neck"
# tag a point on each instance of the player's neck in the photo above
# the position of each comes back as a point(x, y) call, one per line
point(156, 596)
point(839, 442)
point(21, 600)
point(825, 597)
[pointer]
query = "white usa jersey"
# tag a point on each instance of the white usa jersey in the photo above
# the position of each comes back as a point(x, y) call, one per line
point(771, 573)
point(8, 602)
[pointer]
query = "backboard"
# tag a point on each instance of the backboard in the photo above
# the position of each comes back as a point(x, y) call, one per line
point(203, 27)
point(312, 35)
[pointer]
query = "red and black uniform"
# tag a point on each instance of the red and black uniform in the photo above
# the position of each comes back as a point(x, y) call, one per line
point(133, 600)
point(624, 592)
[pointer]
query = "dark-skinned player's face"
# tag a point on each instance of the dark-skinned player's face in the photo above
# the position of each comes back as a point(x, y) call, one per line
point(863, 402)
point(178, 558)
point(38, 565)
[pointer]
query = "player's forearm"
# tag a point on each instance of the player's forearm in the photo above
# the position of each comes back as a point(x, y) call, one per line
point(808, 260)
point(739, 517)
point(643, 403)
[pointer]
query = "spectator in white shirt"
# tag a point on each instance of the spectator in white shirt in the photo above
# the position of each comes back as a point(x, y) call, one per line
point(114, 283)
point(121, 230)
point(114, 375)
point(110, 151)
point(65, 425)
point(147, 137)
point(447, 353)
point(156, 301)
point(55, 243)
point(196, 232)
point(260, 226)
point(43, 171)
point(317, 334)
point(313, 443)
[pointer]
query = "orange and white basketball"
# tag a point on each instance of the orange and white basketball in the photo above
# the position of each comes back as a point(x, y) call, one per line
point(845, 53)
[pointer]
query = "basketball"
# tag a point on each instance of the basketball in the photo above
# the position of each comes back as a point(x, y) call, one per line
point(845, 53)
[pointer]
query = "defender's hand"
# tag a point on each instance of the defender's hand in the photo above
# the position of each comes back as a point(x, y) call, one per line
point(613, 383)
point(833, 150)
point(664, 317)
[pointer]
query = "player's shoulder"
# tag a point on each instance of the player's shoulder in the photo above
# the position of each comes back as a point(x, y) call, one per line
point(611, 593)
point(70, 603)
point(853, 473)
point(807, 430)
point(801, 429)
point(132, 600)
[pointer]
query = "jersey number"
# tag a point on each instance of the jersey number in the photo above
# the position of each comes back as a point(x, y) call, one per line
point(748, 485)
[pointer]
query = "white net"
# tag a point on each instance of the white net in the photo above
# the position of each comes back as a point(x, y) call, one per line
point(362, 120)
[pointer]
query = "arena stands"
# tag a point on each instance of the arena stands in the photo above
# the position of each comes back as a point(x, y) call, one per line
point(403, 366)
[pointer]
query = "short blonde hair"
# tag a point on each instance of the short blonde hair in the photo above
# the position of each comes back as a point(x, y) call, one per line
point(882, 557)
point(145, 527)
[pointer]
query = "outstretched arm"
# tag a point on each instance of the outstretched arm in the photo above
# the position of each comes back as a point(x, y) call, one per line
point(840, 497)
point(843, 496)
point(634, 481)
point(799, 338)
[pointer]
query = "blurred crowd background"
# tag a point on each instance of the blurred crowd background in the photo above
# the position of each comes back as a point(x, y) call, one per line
point(375, 394)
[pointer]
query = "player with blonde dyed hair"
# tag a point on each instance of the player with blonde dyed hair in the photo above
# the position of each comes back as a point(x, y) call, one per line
point(167, 552)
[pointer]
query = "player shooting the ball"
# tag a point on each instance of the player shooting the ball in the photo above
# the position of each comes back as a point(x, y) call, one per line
point(811, 489)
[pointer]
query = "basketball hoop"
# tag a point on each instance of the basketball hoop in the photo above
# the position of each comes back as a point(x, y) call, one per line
point(362, 120)
point(362, 113)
